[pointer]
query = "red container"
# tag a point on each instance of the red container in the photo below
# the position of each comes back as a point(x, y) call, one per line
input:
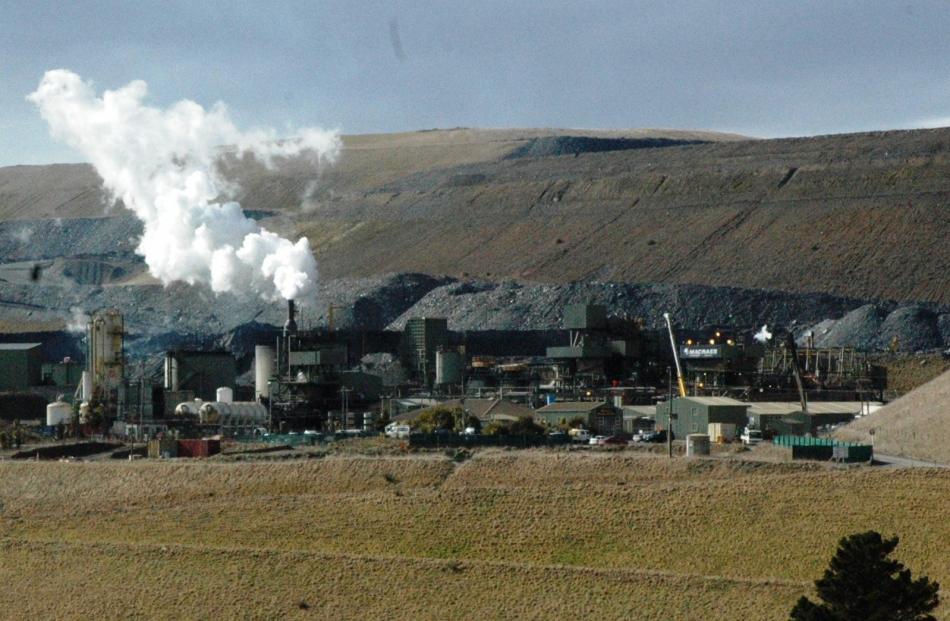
point(198, 448)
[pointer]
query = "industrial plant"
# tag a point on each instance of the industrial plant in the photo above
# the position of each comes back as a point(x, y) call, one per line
point(606, 374)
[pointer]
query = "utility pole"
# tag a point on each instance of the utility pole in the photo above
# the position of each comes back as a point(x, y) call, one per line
point(669, 425)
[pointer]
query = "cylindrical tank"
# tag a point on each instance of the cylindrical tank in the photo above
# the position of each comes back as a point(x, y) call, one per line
point(239, 413)
point(448, 367)
point(171, 372)
point(86, 386)
point(263, 370)
point(58, 412)
point(224, 395)
point(189, 408)
point(697, 444)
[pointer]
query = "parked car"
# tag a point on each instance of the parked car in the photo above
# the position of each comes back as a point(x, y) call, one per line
point(614, 441)
point(579, 435)
point(597, 440)
point(469, 431)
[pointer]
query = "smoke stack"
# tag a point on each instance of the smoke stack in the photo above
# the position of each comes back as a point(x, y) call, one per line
point(291, 326)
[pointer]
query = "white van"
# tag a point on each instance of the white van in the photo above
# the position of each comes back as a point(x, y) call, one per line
point(397, 430)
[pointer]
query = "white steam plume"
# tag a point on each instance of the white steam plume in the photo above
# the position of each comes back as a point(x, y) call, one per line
point(162, 164)
point(763, 336)
point(78, 320)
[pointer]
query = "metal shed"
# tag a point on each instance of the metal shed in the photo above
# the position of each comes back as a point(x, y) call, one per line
point(693, 414)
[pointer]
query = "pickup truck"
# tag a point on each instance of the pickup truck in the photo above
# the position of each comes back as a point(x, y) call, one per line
point(751, 437)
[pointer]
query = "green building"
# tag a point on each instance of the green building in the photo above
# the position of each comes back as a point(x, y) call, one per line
point(64, 374)
point(200, 372)
point(20, 366)
point(693, 414)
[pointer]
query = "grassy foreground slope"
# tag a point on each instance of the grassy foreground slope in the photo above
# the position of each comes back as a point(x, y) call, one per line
point(527, 535)
point(916, 426)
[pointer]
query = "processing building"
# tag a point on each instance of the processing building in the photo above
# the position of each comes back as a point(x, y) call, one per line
point(20, 365)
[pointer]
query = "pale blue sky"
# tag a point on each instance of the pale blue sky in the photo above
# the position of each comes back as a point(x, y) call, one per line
point(760, 68)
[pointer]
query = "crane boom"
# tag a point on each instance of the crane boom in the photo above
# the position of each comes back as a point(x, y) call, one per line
point(796, 370)
point(676, 356)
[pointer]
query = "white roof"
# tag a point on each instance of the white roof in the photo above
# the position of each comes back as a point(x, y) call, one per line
point(814, 407)
point(715, 401)
point(639, 410)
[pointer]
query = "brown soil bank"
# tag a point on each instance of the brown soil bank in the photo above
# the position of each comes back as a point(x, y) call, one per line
point(860, 215)
point(916, 426)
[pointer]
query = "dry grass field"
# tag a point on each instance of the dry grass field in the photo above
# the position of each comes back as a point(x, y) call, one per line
point(506, 534)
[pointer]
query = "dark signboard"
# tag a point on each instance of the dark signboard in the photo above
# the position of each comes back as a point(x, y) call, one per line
point(701, 351)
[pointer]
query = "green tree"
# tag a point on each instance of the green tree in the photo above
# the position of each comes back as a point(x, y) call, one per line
point(863, 584)
point(435, 418)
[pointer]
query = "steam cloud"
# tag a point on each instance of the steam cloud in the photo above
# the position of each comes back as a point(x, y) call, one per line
point(162, 164)
point(78, 320)
point(763, 336)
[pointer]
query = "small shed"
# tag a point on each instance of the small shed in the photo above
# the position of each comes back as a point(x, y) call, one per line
point(21, 366)
point(694, 414)
point(638, 418)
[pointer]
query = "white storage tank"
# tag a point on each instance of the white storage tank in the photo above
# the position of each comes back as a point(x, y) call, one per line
point(224, 395)
point(240, 413)
point(86, 386)
point(697, 444)
point(448, 367)
point(263, 370)
point(58, 412)
point(189, 408)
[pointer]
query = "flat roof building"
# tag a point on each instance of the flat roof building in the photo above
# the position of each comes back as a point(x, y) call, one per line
point(21, 366)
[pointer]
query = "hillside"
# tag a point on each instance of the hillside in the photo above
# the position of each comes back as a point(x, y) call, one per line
point(860, 215)
point(916, 426)
point(502, 535)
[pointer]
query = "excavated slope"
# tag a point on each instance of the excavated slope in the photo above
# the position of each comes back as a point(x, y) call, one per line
point(916, 426)
point(860, 215)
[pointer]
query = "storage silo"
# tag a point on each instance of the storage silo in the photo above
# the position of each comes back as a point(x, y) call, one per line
point(448, 367)
point(263, 370)
point(224, 395)
point(58, 412)
point(105, 359)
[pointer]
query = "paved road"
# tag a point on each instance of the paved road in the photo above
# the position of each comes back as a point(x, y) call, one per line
point(903, 462)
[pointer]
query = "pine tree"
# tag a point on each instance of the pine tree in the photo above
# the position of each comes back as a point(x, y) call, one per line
point(863, 584)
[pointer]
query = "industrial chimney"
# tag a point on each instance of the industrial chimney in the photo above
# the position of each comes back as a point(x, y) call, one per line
point(291, 326)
